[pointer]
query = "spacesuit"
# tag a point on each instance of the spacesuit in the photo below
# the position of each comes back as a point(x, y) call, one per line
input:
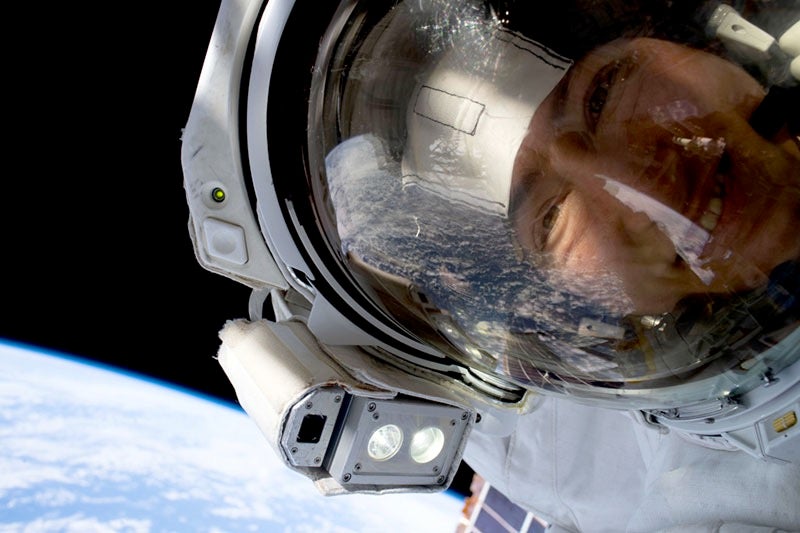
point(587, 469)
point(559, 243)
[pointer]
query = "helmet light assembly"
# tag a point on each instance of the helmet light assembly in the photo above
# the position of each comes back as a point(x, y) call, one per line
point(365, 441)
point(348, 434)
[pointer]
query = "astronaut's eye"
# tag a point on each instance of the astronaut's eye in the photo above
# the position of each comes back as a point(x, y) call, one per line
point(551, 213)
point(598, 93)
point(550, 217)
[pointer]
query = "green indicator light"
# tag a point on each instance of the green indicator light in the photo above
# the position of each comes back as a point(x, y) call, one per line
point(218, 195)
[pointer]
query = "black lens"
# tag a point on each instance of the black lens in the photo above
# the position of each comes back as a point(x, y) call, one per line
point(311, 428)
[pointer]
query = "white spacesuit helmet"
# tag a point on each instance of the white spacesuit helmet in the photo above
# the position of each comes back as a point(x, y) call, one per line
point(435, 237)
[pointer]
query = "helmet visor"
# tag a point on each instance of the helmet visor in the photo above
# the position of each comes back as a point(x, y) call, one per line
point(596, 216)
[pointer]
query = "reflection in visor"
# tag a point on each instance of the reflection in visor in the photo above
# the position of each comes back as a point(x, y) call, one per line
point(489, 299)
point(688, 238)
point(425, 201)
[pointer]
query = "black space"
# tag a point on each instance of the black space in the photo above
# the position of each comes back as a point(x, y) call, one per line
point(96, 256)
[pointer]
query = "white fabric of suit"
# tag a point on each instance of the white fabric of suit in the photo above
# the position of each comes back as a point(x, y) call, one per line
point(582, 468)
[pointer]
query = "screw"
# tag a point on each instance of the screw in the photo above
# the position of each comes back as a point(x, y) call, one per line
point(346, 478)
point(294, 449)
point(440, 480)
point(337, 399)
point(464, 415)
point(309, 405)
point(317, 460)
point(371, 406)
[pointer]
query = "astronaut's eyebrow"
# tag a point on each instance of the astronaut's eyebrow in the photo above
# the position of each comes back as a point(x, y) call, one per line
point(522, 188)
point(522, 185)
point(560, 94)
point(519, 194)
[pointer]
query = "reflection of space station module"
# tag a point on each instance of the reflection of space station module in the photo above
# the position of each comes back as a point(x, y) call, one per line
point(344, 163)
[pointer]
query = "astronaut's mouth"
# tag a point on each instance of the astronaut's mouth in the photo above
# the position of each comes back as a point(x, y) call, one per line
point(713, 210)
point(709, 148)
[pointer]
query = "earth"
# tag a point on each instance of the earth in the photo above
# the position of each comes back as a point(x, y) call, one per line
point(89, 448)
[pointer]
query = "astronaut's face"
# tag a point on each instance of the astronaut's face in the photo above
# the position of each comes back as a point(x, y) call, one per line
point(640, 169)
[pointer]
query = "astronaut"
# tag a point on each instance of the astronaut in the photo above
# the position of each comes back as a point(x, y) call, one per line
point(559, 243)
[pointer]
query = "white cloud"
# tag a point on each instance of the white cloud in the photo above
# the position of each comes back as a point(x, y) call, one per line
point(75, 437)
point(78, 523)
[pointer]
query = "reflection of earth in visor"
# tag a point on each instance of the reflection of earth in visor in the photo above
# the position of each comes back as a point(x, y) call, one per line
point(510, 317)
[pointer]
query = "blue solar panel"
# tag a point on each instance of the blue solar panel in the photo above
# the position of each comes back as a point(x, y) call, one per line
point(489, 511)
point(513, 514)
